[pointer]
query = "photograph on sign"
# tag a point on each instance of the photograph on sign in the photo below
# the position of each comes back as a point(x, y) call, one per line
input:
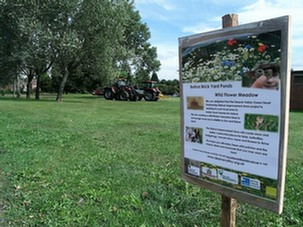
point(232, 109)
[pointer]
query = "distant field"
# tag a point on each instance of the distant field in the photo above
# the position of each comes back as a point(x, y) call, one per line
point(91, 162)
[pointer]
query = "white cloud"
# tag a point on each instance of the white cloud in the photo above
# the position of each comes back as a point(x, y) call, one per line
point(169, 57)
point(198, 28)
point(196, 16)
point(155, 9)
point(167, 5)
point(264, 9)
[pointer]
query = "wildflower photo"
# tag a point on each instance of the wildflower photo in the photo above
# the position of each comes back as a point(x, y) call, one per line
point(262, 122)
point(194, 135)
point(233, 59)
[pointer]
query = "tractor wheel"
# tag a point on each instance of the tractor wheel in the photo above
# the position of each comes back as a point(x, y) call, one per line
point(133, 98)
point(123, 96)
point(150, 96)
point(108, 94)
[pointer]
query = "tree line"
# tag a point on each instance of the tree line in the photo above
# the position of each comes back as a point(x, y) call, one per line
point(75, 45)
point(169, 87)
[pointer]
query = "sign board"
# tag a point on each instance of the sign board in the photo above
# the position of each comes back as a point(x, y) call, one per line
point(234, 110)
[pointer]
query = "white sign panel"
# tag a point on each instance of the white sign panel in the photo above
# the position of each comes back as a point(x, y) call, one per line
point(234, 109)
point(238, 127)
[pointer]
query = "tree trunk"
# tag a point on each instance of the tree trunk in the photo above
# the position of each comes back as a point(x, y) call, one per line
point(37, 94)
point(62, 85)
point(16, 87)
point(39, 71)
point(29, 86)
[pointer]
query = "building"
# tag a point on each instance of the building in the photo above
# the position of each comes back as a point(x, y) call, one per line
point(296, 90)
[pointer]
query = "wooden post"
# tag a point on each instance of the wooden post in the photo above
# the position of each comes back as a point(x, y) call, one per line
point(228, 205)
point(230, 20)
point(228, 211)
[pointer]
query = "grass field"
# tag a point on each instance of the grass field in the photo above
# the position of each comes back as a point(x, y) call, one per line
point(91, 162)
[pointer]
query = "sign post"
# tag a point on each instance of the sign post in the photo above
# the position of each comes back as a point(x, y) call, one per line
point(229, 205)
point(228, 211)
point(235, 86)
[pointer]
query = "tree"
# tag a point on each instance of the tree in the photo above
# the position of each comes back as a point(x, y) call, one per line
point(138, 54)
point(101, 25)
point(81, 44)
point(154, 77)
point(9, 43)
point(46, 83)
point(169, 87)
point(89, 39)
point(37, 54)
point(147, 63)
point(26, 42)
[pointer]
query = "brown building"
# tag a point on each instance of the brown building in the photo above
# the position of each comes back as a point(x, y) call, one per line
point(296, 90)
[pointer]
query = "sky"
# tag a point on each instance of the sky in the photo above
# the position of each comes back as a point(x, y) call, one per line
point(169, 20)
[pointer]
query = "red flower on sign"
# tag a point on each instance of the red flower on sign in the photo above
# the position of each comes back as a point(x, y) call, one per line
point(231, 42)
point(262, 47)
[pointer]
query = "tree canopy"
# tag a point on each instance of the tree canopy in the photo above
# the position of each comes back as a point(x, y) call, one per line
point(80, 44)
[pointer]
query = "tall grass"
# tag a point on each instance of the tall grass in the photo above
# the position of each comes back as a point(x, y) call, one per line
point(91, 162)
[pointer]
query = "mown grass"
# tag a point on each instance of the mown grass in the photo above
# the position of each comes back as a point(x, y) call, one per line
point(91, 162)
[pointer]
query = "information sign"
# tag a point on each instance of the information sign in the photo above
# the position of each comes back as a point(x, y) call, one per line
point(234, 108)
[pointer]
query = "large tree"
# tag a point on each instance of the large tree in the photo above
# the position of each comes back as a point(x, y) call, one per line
point(90, 39)
point(37, 53)
point(146, 63)
point(9, 43)
point(82, 43)
point(25, 44)
point(138, 57)
point(101, 25)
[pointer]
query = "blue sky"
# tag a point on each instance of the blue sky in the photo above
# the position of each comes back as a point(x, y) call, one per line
point(169, 20)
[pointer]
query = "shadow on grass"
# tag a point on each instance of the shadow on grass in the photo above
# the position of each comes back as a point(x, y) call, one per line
point(43, 98)
point(89, 97)
point(51, 97)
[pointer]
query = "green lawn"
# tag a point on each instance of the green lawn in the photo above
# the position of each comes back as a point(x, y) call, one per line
point(91, 162)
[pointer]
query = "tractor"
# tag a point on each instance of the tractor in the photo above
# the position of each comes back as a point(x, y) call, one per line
point(121, 90)
point(149, 91)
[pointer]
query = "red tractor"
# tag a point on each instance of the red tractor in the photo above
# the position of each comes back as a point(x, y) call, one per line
point(121, 90)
